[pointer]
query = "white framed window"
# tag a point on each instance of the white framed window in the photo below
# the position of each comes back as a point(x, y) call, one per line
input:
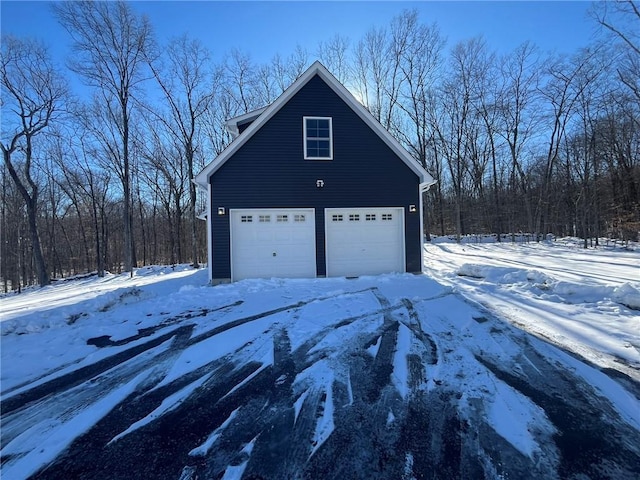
point(298, 218)
point(337, 218)
point(354, 217)
point(370, 217)
point(246, 218)
point(387, 216)
point(283, 218)
point(264, 218)
point(318, 138)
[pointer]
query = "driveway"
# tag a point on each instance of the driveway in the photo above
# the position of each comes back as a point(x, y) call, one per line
point(392, 377)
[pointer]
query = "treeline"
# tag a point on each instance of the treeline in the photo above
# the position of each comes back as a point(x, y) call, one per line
point(523, 141)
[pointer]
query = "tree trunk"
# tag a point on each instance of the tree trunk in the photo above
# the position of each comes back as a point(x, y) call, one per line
point(38, 257)
point(193, 215)
point(31, 202)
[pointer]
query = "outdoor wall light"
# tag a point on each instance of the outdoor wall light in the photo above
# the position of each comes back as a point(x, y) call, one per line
point(319, 183)
point(412, 208)
point(220, 210)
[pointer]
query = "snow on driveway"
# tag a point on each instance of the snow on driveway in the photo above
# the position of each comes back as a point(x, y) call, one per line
point(395, 376)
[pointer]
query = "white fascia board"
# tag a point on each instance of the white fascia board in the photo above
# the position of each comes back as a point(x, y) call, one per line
point(203, 188)
point(233, 129)
point(232, 124)
point(427, 185)
point(246, 116)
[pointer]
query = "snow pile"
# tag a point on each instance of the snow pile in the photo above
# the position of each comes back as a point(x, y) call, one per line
point(546, 286)
point(529, 238)
point(627, 295)
point(584, 300)
point(503, 275)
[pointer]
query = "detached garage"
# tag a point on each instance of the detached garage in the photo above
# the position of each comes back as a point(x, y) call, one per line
point(312, 186)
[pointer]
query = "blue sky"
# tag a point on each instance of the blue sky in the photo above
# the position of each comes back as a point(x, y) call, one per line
point(263, 29)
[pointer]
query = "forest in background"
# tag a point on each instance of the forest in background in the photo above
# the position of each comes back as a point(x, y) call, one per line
point(521, 142)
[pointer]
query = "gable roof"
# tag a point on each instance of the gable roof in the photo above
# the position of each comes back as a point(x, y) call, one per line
point(267, 113)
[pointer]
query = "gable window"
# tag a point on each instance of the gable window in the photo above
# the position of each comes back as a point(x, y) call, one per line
point(318, 138)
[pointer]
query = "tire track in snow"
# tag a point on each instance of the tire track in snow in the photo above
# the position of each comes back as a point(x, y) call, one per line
point(289, 438)
point(105, 340)
point(259, 409)
point(152, 399)
point(72, 379)
point(399, 434)
point(172, 435)
point(87, 372)
point(591, 439)
point(280, 433)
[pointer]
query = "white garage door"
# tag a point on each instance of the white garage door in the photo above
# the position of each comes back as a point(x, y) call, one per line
point(273, 243)
point(364, 241)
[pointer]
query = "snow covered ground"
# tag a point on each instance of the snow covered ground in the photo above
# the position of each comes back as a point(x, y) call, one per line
point(588, 301)
point(394, 376)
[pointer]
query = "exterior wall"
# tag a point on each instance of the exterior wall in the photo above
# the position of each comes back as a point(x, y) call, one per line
point(269, 171)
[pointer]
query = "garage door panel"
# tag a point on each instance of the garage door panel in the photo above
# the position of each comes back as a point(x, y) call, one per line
point(364, 241)
point(271, 244)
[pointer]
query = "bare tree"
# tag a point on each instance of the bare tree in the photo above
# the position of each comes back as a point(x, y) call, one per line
point(32, 95)
point(298, 63)
point(215, 120)
point(166, 172)
point(420, 60)
point(482, 133)
point(457, 129)
point(285, 71)
point(371, 71)
point(13, 214)
point(618, 147)
point(334, 54)
point(109, 44)
point(621, 19)
point(567, 79)
point(189, 85)
point(518, 114)
point(86, 185)
point(266, 82)
point(241, 81)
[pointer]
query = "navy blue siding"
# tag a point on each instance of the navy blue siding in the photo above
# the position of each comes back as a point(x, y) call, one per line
point(269, 171)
